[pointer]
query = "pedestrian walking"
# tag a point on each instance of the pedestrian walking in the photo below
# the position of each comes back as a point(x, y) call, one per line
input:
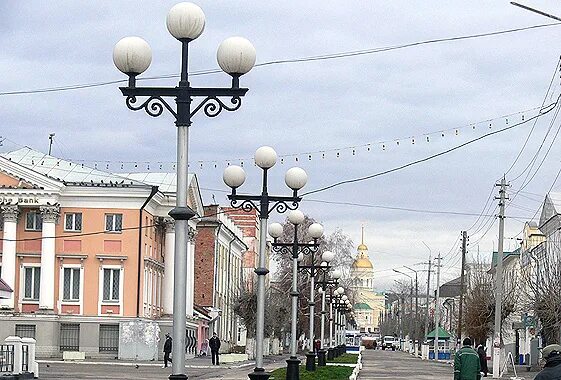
point(167, 350)
point(552, 368)
point(466, 363)
point(483, 360)
point(317, 345)
point(214, 344)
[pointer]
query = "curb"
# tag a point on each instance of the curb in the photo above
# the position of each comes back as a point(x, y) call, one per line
point(358, 367)
point(132, 364)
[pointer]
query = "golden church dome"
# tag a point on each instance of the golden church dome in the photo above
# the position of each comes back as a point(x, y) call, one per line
point(362, 247)
point(362, 262)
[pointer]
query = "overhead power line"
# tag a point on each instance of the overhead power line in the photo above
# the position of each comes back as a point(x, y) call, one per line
point(324, 57)
point(548, 109)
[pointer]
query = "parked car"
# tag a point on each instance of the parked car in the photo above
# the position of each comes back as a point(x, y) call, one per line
point(389, 343)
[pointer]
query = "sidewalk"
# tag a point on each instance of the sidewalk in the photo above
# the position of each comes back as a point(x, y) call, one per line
point(196, 368)
point(197, 363)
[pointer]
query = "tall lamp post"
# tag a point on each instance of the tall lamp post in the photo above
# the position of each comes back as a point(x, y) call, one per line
point(343, 307)
point(312, 269)
point(333, 291)
point(264, 204)
point(327, 283)
point(411, 324)
point(335, 300)
point(415, 332)
point(294, 248)
point(132, 56)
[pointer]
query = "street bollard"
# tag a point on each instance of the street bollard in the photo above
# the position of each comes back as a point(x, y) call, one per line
point(321, 358)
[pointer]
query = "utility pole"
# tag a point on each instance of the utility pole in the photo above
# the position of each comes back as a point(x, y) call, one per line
point(51, 135)
point(437, 308)
point(462, 282)
point(499, 282)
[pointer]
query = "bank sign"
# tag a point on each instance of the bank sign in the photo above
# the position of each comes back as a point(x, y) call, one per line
point(25, 201)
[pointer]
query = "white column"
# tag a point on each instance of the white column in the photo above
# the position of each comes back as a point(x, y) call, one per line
point(10, 216)
point(168, 267)
point(18, 357)
point(47, 291)
point(32, 365)
point(190, 295)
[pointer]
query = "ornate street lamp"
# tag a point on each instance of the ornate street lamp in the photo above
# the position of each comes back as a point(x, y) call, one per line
point(327, 283)
point(294, 248)
point(312, 270)
point(264, 204)
point(132, 56)
point(335, 300)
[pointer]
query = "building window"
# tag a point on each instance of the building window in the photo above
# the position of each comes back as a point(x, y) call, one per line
point(33, 221)
point(73, 221)
point(108, 338)
point(69, 336)
point(25, 331)
point(31, 283)
point(113, 222)
point(111, 288)
point(71, 284)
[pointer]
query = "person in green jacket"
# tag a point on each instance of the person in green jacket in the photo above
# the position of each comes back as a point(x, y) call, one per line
point(466, 363)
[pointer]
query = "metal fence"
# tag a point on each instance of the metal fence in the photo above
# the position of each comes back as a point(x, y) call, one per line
point(69, 336)
point(25, 331)
point(6, 358)
point(108, 338)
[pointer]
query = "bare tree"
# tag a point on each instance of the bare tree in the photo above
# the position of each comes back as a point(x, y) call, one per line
point(479, 307)
point(541, 277)
point(276, 321)
point(337, 242)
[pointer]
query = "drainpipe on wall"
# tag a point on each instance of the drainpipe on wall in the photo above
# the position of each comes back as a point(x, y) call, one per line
point(228, 290)
point(152, 193)
point(215, 266)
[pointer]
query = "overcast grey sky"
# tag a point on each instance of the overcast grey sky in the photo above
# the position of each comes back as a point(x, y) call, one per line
point(310, 106)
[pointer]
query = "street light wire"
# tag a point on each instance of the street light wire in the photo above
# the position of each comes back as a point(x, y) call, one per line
point(542, 112)
point(557, 67)
point(396, 208)
point(289, 60)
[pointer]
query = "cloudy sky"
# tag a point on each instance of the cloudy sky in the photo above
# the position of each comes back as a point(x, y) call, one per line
point(332, 107)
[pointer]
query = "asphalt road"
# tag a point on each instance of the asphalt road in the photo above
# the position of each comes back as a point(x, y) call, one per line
point(386, 365)
point(378, 364)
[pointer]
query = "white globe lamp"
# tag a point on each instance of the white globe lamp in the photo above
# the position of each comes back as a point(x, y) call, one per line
point(296, 217)
point(328, 256)
point(295, 178)
point(315, 230)
point(236, 56)
point(234, 176)
point(185, 21)
point(132, 55)
point(265, 157)
point(275, 230)
point(336, 274)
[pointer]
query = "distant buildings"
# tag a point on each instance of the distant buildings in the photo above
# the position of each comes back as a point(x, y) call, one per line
point(219, 253)
point(368, 304)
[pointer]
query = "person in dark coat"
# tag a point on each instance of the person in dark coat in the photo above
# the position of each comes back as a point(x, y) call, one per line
point(317, 346)
point(483, 360)
point(167, 350)
point(466, 363)
point(552, 369)
point(214, 344)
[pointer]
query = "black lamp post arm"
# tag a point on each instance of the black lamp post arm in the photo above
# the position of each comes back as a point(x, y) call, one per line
point(154, 105)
